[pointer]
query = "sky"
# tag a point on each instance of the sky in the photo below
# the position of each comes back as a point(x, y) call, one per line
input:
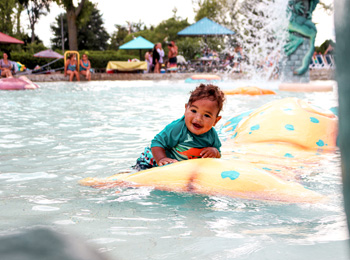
point(154, 11)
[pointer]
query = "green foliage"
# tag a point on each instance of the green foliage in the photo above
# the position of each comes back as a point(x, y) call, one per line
point(35, 8)
point(124, 34)
point(166, 31)
point(208, 8)
point(56, 40)
point(324, 46)
point(117, 38)
point(35, 47)
point(189, 47)
point(7, 8)
point(169, 29)
point(91, 33)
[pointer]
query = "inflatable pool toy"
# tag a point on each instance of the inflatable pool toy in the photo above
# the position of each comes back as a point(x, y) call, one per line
point(288, 120)
point(213, 177)
point(263, 152)
point(206, 77)
point(21, 83)
point(249, 91)
point(203, 78)
point(285, 137)
point(306, 87)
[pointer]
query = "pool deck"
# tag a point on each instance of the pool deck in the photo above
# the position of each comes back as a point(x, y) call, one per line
point(319, 74)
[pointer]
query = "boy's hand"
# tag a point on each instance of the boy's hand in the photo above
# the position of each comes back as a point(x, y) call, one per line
point(166, 160)
point(210, 152)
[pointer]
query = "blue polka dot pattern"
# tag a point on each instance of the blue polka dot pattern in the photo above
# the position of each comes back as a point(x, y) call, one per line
point(255, 127)
point(230, 174)
point(289, 127)
point(314, 120)
point(320, 143)
point(288, 155)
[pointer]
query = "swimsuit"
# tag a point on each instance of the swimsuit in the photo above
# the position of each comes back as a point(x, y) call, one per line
point(85, 64)
point(179, 143)
point(72, 67)
point(173, 60)
point(4, 65)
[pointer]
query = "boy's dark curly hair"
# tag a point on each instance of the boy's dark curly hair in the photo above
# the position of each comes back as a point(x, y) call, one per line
point(210, 92)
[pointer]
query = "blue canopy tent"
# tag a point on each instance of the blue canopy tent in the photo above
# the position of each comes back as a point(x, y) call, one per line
point(205, 27)
point(138, 43)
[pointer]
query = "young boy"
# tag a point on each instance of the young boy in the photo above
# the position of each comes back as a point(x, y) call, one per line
point(191, 136)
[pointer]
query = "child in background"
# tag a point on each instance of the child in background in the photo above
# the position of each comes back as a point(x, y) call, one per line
point(85, 67)
point(192, 136)
point(70, 68)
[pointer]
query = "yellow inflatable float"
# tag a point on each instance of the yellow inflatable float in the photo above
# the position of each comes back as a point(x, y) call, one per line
point(253, 91)
point(213, 177)
point(263, 151)
point(290, 120)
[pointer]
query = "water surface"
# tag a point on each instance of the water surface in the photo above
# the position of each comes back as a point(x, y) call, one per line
point(52, 137)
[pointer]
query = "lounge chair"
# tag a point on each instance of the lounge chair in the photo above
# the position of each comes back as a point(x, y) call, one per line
point(329, 60)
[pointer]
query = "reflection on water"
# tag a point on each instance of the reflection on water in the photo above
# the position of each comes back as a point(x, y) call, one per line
point(52, 137)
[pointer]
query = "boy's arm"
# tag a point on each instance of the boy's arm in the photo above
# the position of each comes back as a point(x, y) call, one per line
point(210, 152)
point(160, 156)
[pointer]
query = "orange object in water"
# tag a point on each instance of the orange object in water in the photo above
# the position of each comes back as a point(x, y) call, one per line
point(206, 77)
point(249, 91)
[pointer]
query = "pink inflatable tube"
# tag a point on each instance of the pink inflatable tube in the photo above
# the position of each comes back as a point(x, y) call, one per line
point(21, 83)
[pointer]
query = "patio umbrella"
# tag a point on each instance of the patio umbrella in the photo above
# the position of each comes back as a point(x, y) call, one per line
point(48, 54)
point(138, 43)
point(205, 27)
point(4, 38)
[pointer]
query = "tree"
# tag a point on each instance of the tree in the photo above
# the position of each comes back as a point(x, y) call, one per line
point(91, 33)
point(56, 28)
point(72, 15)
point(19, 9)
point(35, 8)
point(169, 28)
point(7, 8)
point(324, 46)
point(211, 9)
point(117, 38)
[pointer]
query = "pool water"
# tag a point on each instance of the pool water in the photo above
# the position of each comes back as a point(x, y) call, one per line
point(52, 137)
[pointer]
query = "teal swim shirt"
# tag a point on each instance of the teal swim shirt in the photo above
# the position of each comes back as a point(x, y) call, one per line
point(178, 141)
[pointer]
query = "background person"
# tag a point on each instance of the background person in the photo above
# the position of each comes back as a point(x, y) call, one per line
point(85, 67)
point(6, 66)
point(161, 54)
point(172, 53)
point(148, 59)
point(70, 68)
point(237, 59)
point(155, 61)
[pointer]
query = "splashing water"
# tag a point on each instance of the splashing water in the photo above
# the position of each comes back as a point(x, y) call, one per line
point(262, 33)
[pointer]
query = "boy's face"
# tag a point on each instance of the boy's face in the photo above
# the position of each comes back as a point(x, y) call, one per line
point(201, 116)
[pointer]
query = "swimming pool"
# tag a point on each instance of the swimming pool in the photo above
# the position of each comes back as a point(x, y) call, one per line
point(54, 136)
